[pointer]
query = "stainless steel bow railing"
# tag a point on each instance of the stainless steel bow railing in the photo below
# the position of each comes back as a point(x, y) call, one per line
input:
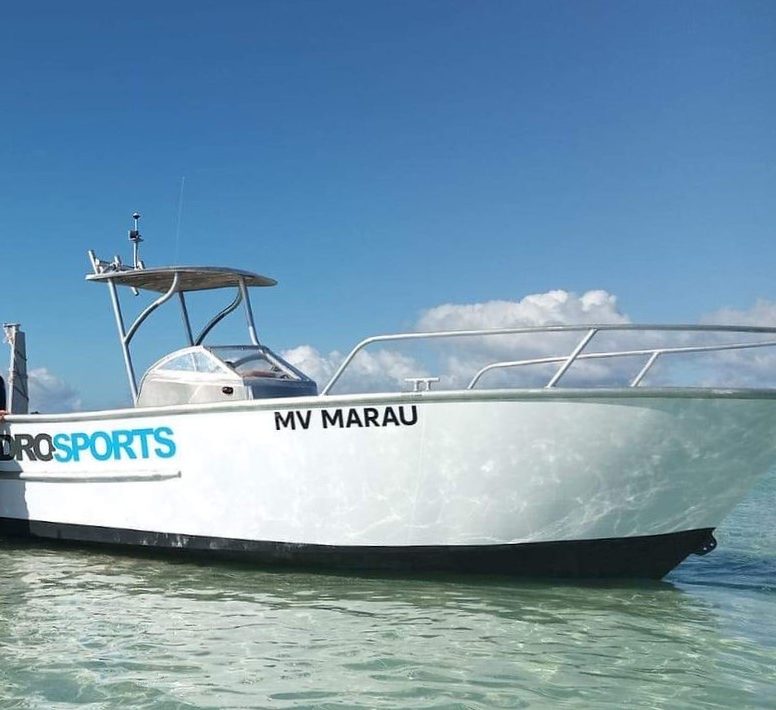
point(566, 361)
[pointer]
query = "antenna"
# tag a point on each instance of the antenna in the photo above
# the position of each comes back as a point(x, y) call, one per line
point(135, 238)
point(178, 221)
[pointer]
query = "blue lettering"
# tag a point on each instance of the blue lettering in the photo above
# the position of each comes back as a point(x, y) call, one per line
point(62, 445)
point(80, 443)
point(107, 441)
point(122, 441)
point(143, 434)
point(163, 436)
point(119, 444)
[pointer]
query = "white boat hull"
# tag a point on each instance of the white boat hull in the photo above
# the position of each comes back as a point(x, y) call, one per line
point(552, 482)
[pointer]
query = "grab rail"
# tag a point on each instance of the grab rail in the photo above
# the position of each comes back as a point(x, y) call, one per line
point(578, 352)
point(654, 354)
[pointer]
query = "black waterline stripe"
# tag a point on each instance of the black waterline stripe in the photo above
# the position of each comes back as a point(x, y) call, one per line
point(650, 556)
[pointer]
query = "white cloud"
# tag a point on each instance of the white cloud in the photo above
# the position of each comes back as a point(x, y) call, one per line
point(49, 393)
point(745, 368)
point(382, 369)
point(310, 361)
point(456, 360)
point(761, 313)
point(552, 308)
point(557, 307)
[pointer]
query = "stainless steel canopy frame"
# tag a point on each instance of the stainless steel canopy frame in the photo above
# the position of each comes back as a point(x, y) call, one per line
point(170, 281)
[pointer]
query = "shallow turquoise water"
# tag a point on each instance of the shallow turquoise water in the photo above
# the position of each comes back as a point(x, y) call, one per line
point(102, 631)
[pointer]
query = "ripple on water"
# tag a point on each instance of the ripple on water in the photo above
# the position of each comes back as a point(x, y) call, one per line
point(109, 631)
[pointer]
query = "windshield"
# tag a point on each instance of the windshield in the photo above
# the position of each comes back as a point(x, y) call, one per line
point(246, 361)
point(192, 361)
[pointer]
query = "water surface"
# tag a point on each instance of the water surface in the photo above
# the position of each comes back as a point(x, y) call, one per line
point(83, 628)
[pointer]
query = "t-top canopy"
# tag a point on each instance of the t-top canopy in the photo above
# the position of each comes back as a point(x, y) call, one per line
point(192, 278)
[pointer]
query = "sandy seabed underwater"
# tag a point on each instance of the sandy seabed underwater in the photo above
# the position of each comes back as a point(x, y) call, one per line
point(95, 630)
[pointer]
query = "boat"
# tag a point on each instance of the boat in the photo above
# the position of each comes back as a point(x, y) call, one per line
point(231, 452)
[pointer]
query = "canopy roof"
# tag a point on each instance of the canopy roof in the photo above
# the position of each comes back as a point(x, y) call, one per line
point(192, 278)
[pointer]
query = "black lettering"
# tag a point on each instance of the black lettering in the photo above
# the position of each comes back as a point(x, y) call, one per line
point(414, 416)
point(25, 445)
point(282, 422)
point(7, 448)
point(389, 416)
point(353, 418)
point(44, 453)
point(370, 416)
point(328, 419)
point(304, 419)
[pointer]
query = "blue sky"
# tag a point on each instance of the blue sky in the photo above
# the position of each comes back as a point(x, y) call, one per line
point(383, 158)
